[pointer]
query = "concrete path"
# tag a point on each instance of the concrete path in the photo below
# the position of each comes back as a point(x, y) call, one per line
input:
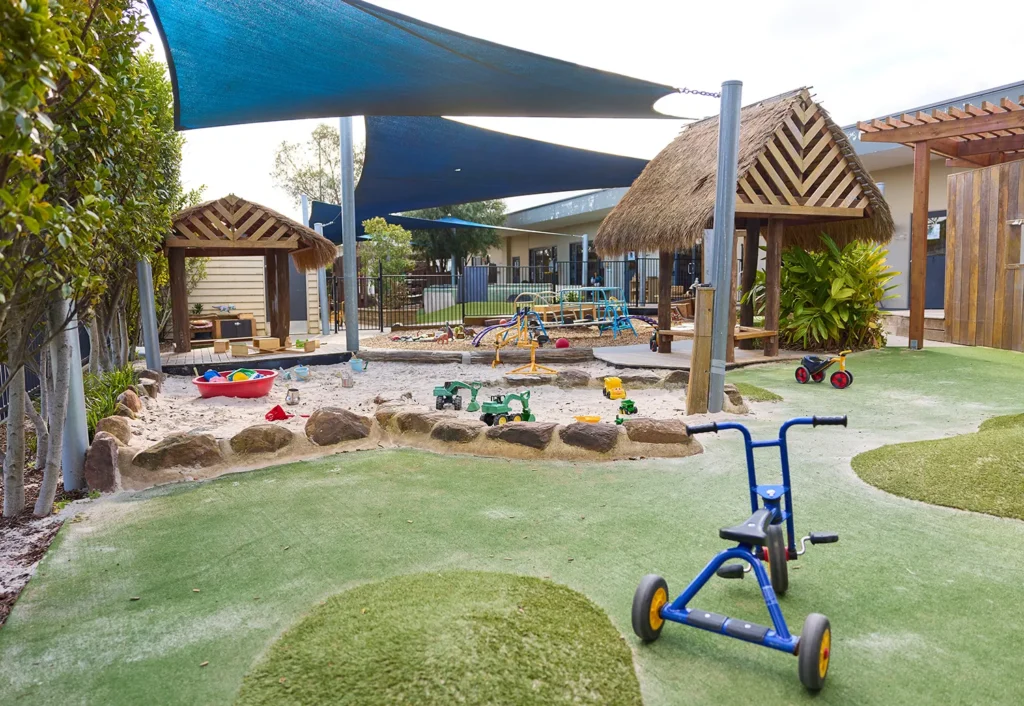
point(641, 356)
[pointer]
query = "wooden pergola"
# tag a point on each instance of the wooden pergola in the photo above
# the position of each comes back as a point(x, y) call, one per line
point(969, 137)
point(797, 173)
point(230, 227)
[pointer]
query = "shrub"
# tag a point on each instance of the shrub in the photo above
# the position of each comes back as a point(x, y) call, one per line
point(830, 299)
point(101, 393)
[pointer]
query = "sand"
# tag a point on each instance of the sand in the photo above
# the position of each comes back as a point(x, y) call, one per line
point(179, 408)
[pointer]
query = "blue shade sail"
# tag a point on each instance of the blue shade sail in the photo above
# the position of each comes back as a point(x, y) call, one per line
point(248, 61)
point(414, 163)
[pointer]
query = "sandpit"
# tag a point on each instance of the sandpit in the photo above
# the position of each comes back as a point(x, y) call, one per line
point(179, 407)
point(578, 337)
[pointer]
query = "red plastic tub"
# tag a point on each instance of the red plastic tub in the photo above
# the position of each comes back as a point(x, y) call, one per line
point(246, 388)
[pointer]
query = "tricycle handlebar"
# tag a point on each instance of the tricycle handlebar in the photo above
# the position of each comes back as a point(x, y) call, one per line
point(701, 428)
point(827, 421)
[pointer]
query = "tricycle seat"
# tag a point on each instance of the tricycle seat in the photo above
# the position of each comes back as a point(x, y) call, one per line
point(814, 363)
point(751, 531)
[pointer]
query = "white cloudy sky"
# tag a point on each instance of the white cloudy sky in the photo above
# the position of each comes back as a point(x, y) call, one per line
point(863, 60)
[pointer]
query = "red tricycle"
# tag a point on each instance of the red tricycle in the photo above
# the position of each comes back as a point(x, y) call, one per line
point(813, 367)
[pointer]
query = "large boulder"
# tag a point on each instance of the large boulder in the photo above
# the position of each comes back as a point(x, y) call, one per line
point(734, 403)
point(637, 379)
point(386, 412)
point(261, 438)
point(117, 427)
point(333, 425)
point(101, 467)
point(130, 400)
point(188, 449)
point(149, 387)
point(593, 437)
point(572, 378)
point(536, 435)
point(413, 421)
point(676, 378)
point(457, 430)
point(123, 410)
point(656, 431)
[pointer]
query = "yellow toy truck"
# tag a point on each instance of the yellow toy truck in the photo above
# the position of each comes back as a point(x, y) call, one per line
point(613, 389)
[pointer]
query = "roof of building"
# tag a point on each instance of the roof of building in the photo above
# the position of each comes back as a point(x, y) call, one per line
point(794, 163)
point(233, 225)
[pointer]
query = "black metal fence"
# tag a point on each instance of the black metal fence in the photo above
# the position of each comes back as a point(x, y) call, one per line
point(31, 379)
point(492, 290)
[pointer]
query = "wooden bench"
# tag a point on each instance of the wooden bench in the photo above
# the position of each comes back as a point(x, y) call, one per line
point(739, 333)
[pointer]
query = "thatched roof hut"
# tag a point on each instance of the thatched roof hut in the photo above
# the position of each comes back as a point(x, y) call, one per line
point(231, 226)
point(795, 164)
point(234, 223)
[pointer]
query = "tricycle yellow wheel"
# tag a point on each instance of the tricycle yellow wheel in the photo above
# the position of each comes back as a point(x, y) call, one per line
point(650, 597)
point(814, 651)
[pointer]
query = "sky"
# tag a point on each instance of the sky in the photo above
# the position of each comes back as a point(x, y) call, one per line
point(862, 61)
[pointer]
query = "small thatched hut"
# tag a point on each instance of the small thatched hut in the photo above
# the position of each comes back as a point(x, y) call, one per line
point(797, 170)
point(232, 226)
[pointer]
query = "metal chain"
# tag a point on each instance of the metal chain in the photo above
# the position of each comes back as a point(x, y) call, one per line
point(694, 91)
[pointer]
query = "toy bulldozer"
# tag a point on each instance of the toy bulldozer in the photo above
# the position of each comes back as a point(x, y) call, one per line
point(448, 394)
point(497, 412)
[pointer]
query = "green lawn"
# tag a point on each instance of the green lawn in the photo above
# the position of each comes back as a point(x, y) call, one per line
point(753, 393)
point(455, 637)
point(924, 601)
point(983, 471)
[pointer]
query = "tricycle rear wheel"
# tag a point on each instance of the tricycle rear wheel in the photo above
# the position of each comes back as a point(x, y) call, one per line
point(778, 569)
point(802, 375)
point(650, 596)
point(815, 651)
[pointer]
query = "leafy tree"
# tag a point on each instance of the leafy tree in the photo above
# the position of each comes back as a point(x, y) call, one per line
point(388, 249)
point(87, 176)
point(437, 246)
point(313, 167)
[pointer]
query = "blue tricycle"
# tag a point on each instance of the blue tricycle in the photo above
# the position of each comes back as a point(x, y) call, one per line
point(760, 538)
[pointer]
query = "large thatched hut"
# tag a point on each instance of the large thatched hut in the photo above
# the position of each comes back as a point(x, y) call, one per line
point(797, 173)
point(229, 227)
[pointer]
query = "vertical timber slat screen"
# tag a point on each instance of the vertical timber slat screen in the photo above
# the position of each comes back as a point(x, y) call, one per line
point(984, 303)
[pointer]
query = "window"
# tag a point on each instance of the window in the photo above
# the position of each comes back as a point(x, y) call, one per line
point(936, 233)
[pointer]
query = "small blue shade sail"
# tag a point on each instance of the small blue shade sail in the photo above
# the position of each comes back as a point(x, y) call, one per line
point(414, 163)
point(250, 61)
point(329, 216)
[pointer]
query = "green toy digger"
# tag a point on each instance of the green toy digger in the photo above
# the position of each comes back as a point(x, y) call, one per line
point(497, 413)
point(448, 394)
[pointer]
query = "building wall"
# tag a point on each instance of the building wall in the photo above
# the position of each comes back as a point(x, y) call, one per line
point(899, 193)
point(240, 281)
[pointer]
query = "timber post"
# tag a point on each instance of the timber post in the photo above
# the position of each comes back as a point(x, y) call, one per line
point(751, 248)
point(773, 283)
point(919, 244)
point(700, 359)
point(179, 300)
point(665, 261)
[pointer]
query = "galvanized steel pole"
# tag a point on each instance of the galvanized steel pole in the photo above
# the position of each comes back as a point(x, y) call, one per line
point(725, 226)
point(147, 306)
point(586, 253)
point(321, 284)
point(348, 235)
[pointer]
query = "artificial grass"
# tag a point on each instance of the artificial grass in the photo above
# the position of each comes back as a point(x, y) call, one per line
point(454, 313)
point(923, 602)
point(983, 471)
point(454, 637)
point(757, 394)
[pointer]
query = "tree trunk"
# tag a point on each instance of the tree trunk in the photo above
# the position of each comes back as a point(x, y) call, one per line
point(60, 365)
point(42, 434)
point(122, 336)
point(14, 461)
point(95, 347)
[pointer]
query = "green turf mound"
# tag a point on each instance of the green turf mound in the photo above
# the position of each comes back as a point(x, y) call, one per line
point(757, 394)
point(983, 472)
point(459, 637)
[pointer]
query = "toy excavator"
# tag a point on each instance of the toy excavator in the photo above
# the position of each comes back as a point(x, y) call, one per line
point(448, 394)
point(497, 413)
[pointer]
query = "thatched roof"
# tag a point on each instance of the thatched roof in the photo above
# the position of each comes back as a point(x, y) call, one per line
point(795, 163)
point(233, 225)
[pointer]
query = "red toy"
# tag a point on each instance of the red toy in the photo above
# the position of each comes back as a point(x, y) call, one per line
point(260, 387)
point(278, 414)
point(562, 343)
